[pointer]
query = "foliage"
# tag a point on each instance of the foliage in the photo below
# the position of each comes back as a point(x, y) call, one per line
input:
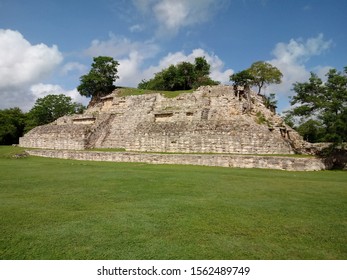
point(324, 103)
point(259, 74)
point(242, 78)
point(270, 101)
point(264, 73)
point(311, 131)
point(183, 76)
point(99, 81)
point(12, 123)
point(64, 209)
point(261, 119)
point(52, 107)
point(289, 119)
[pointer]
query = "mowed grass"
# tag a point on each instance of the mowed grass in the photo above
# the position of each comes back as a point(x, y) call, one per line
point(64, 209)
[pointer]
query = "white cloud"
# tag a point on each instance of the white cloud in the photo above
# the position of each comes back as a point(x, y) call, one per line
point(291, 57)
point(321, 71)
point(73, 66)
point(19, 97)
point(25, 98)
point(41, 90)
point(129, 54)
point(172, 15)
point(22, 63)
point(129, 70)
point(133, 55)
point(300, 51)
point(136, 28)
point(120, 47)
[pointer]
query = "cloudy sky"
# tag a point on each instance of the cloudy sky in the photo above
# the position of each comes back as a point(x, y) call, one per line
point(46, 45)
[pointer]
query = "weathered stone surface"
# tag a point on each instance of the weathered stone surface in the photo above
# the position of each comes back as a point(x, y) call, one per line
point(209, 120)
point(242, 161)
point(55, 136)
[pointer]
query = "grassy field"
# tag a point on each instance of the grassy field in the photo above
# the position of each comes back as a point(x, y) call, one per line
point(64, 209)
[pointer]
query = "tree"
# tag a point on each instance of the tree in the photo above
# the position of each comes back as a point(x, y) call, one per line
point(186, 75)
point(183, 76)
point(264, 74)
point(324, 103)
point(99, 81)
point(202, 68)
point(270, 102)
point(168, 79)
point(12, 123)
point(311, 131)
point(202, 73)
point(52, 107)
point(243, 79)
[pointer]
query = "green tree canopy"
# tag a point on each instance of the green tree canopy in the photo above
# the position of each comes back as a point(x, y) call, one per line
point(202, 68)
point(52, 107)
point(183, 76)
point(12, 123)
point(243, 78)
point(311, 130)
point(323, 106)
point(264, 74)
point(259, 74)
point(270, 102)
point(99, 81)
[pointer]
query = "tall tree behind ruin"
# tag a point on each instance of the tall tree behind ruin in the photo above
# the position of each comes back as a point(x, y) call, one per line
point(325, 103)
point(100, 80)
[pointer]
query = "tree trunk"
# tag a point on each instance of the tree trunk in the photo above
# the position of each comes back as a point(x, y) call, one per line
point(248, 95)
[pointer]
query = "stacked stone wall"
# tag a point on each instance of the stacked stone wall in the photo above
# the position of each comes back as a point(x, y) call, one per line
point(209, 120)
point(242, 161)
point(56, 137)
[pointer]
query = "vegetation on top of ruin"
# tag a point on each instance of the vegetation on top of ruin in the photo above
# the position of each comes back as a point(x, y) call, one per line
point(100, 80)
point(128, 91)
point(183, 76)
point(259, 74)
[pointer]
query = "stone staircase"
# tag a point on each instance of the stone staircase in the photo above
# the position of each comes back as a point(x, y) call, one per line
point(99, 131)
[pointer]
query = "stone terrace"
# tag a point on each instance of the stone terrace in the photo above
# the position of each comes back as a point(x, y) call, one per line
point(209, 120)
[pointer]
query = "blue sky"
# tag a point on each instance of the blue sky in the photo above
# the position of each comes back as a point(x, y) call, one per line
point(46, 45)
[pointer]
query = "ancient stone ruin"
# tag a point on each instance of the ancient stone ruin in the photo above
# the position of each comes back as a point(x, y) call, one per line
point(209, 120)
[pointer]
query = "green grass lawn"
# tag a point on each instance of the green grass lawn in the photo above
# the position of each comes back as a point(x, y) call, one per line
point(64, 209)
